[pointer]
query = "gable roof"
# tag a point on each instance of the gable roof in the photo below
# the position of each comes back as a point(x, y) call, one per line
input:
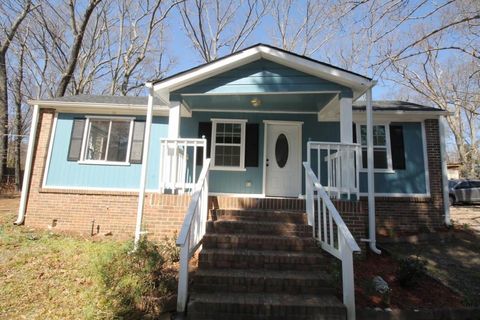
point(358, 83)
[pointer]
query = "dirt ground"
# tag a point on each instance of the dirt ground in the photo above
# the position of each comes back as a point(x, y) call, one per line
point(454, 256)
point(467, 216)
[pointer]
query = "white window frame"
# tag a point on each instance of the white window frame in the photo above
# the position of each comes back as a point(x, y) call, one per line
point(86, 133)
point(388, 147)
point(213, 139)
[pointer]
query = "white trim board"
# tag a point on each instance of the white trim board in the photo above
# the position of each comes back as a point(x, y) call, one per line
point(49, 152)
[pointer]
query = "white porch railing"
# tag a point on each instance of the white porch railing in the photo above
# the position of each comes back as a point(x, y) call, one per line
point(341, 243)
point(192, 232)
point(342, 162)
point(178, 163)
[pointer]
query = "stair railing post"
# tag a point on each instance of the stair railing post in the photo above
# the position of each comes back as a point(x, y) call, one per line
point(309, 202)
point(347, 276)
point(183, 277)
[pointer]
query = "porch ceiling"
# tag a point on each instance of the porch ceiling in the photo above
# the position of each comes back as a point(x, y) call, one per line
point(280, 102)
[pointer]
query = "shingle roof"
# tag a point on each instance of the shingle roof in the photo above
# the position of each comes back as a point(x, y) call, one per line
point(106, 99)
point(393, 105)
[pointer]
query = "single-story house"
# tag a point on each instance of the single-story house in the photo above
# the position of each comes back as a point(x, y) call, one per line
point(261, 128)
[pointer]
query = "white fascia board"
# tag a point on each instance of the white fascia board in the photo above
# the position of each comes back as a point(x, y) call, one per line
point(357, 83)
point(104, 108)
point(208, 71)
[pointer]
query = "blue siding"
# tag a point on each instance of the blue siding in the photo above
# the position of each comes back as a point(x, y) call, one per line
point(410, 180)
point(63, 173)
point(234, 181)
point(261, 76)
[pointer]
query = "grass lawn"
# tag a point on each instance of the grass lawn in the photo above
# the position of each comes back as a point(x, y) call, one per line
point(49, 276)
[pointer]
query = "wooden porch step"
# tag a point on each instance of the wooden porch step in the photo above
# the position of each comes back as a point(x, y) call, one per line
point(255, 227)
point(267, 259)
point(265, 306)
point(260, 215)
point(268, 281)
point(259, 242)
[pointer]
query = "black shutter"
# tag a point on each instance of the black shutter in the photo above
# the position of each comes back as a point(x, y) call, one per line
point(398, 147)
point(204, 129)
point(75, 147)
point(354, 132)
point(136, 149)
point(251, 145)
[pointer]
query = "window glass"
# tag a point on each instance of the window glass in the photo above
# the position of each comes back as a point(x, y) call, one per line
point(118, 144)
point(107, 140)
point(228, 144)
point(97, 140)
point(380, 155)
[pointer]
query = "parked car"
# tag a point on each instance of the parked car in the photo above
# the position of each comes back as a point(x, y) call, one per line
point(464, 191)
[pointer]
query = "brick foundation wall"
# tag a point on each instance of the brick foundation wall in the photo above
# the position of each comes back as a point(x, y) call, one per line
point(93, 212)
point(405, 215)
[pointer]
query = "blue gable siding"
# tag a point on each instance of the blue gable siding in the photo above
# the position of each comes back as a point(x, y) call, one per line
point(262, 76)
point(63, 173)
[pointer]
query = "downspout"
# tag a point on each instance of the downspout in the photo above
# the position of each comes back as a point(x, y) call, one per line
point(446, 202)
point(28, 167)
point(370, 176)
point(143, 175)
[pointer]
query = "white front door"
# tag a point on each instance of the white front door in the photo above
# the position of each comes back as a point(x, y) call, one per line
point(283, 158)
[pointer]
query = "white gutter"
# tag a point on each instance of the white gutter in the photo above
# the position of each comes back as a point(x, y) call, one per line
point(28, 166)
point(143, 177)
point(446, 195)
point(370, 176)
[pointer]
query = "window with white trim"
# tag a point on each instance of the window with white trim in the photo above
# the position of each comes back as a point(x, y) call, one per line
point(228, 144)
point(107, 140)
point(381, 146)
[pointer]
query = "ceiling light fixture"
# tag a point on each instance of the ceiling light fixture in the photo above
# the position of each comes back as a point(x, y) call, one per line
point(256, 102)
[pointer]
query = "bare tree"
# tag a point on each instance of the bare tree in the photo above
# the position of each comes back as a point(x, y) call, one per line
point(139, 37)
point(304, 27)
point(216, 25)
point(9, 28)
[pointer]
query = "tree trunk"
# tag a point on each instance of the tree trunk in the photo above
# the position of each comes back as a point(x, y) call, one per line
point(3, 116)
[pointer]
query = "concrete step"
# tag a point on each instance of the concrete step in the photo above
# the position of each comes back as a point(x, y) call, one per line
point(259, 242)
point(261, 228)
point(260, 215)
point(254, 259)
point(267, 281)
point(264, 306)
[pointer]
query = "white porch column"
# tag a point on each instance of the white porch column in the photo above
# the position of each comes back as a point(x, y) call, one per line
point(370, 175)
point(143, 175)
point(174, 120)
point(346, 136)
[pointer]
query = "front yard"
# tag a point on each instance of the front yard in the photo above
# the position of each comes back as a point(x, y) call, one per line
point(48, 276)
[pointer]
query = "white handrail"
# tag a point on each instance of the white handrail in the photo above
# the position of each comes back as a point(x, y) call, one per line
point(328, 218)
point(343, 162)
point(192, 232)
point(178, 162)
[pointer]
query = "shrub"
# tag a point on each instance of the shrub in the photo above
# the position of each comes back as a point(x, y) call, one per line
point(137, 283)
point(410, 270)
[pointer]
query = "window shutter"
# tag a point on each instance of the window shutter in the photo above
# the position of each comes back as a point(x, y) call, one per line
point(251, 145)
point(204, 129)
point(354, 132)
point(75, 147)
point(398, 147)
point(136, 149)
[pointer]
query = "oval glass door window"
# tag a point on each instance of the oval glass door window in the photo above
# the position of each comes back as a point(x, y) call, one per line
point(281, 150)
